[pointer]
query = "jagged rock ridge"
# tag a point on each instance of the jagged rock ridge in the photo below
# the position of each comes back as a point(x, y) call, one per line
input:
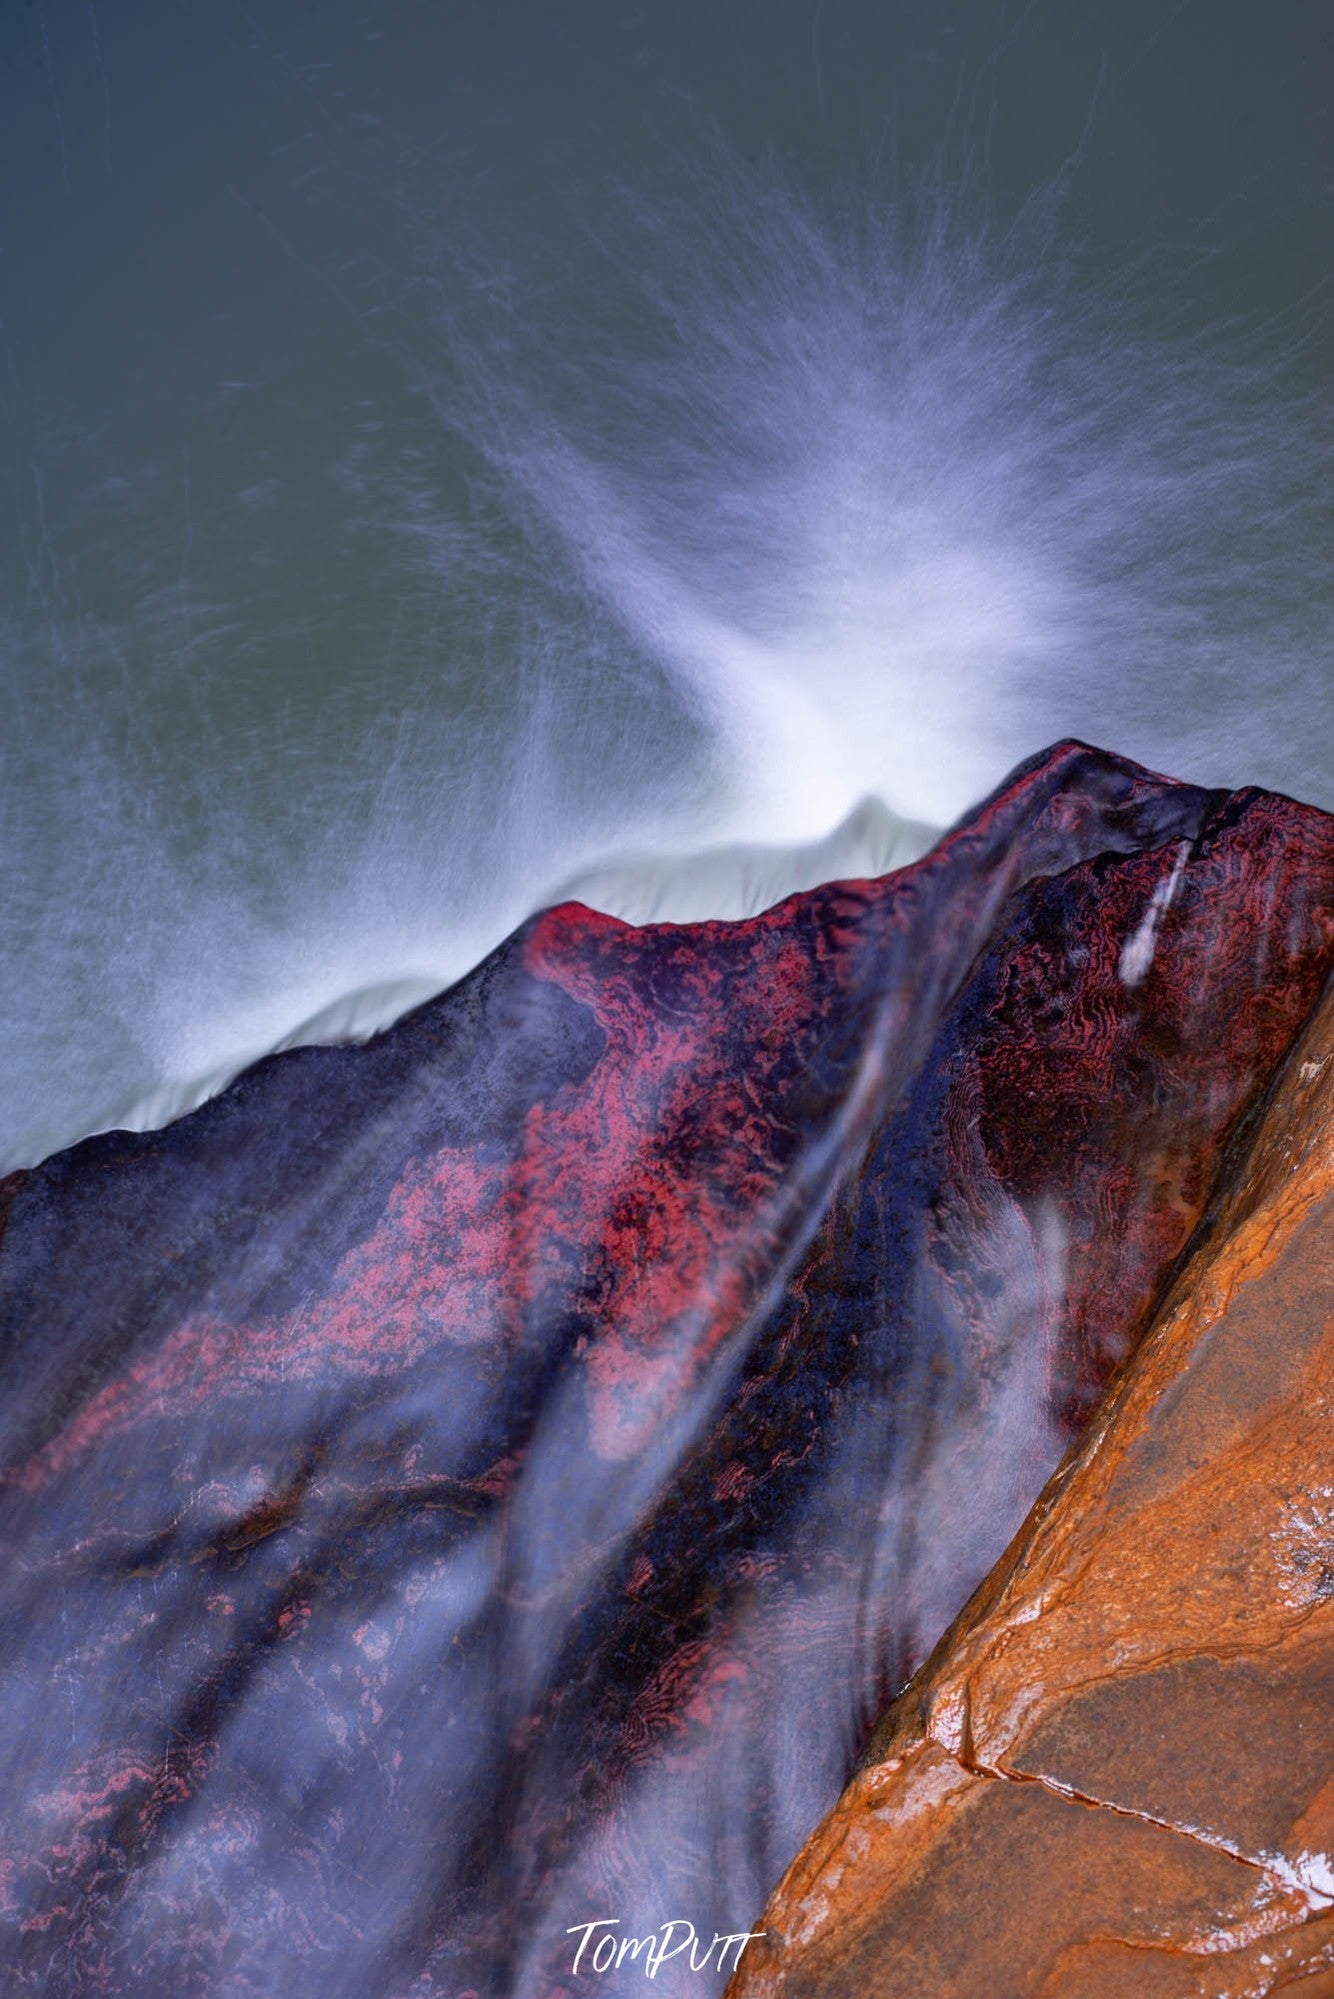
point(492, 1479)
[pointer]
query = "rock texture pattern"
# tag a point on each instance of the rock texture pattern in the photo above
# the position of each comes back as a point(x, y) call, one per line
point(490, 1480)
point(1115, 1777)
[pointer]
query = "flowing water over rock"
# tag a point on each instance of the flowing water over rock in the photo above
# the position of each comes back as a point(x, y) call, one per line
point(489, 1481)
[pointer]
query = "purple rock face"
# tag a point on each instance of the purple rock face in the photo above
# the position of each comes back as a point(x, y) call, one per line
point(488, 1481)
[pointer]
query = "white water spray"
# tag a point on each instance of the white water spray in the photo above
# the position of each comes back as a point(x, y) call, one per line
point(780, 543)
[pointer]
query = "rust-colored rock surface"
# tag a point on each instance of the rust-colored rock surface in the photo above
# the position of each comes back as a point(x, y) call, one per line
point(483, 1486)
point(1114, 1778)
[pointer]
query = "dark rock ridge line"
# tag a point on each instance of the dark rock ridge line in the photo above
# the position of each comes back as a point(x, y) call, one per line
point(491, 1479)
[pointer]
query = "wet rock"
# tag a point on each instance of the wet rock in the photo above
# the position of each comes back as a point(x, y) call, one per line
point(1114, 1779)
point(490, 1481)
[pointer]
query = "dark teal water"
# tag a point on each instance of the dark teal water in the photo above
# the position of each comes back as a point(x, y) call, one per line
point(454, 453)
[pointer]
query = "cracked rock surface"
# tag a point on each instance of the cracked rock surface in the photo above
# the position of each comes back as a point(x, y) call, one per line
point(1114, 1778)
point(489, 1481)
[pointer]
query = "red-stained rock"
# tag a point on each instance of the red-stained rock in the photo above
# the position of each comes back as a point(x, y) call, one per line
point(491, 1480)
point(1114, 1779)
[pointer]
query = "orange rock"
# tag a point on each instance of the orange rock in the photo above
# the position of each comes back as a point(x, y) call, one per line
point(1114, 1778)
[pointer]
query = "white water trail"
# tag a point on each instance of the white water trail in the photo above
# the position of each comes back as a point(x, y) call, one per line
point(782, 540)
point(895, 504)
